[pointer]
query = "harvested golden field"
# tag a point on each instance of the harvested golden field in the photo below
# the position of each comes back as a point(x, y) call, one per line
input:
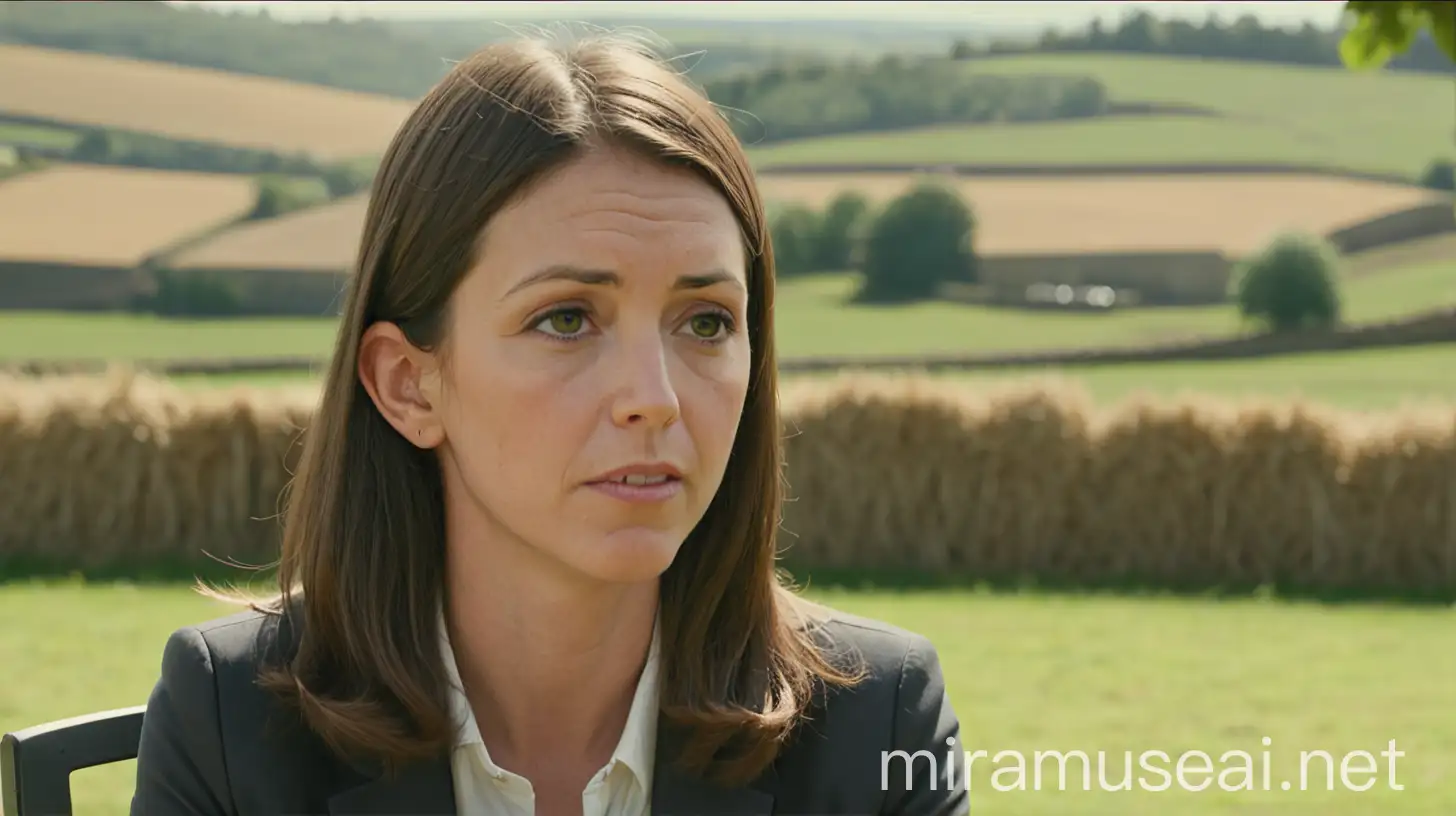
point(1026, 482)
point(195, 104)
point(324, 238)
point(112, 216)
point(1233, 214)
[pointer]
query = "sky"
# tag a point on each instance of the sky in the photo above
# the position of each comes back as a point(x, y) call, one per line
point(1035, 13)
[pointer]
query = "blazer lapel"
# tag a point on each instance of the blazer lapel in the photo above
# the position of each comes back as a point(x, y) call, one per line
point(675, 792)
point(426, 788)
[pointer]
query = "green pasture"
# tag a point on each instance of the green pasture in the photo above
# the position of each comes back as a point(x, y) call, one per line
point(1375, 380)
point(38, 136)
point(1368, 380)
point(1026, 673)
point(1371, 121)
point(815, 318)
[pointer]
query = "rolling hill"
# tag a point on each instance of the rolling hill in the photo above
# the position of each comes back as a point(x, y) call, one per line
point(1384, 123)
point(195, 104)
point(1229, 213)
point(323, 239)
point(110, 215)
point(1381, 122)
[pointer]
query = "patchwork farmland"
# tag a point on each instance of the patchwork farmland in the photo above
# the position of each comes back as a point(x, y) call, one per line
point(1234, 214)
point(1172, 239)
point(295, 264)
point(122, 215)
point(195, 104)
point(320, 239)
point(1252, 112)
point(1154, 228)
point(1231, 214)
point(73, 237)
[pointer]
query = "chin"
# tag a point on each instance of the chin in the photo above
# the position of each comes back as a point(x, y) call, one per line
point(631, 555)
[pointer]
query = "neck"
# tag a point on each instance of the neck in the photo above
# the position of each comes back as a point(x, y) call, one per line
point(549, 660)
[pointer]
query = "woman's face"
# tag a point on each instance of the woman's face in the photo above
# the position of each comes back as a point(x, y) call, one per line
point(597, 367)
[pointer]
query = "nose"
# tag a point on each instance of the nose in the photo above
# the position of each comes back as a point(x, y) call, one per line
point(645, 394)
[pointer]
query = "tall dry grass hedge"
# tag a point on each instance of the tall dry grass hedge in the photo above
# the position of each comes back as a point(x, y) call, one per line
point(1030, 482)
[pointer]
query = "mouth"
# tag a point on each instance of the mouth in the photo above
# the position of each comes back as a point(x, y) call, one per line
point(637, 484)
point(639, 480)
point(646, 473)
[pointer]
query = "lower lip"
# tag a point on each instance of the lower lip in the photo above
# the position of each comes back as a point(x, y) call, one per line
point(639, 494)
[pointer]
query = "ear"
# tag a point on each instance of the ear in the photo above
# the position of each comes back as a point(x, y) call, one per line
point(400, 378)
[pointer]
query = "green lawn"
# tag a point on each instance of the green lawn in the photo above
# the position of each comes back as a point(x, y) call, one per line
point(1026, 673)
point(119, 336)
point(1377, 380)
point(814, 319)
point(38, 136)
point(1379, 122)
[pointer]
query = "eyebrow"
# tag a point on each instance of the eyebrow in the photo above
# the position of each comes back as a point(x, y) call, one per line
point(606, 277)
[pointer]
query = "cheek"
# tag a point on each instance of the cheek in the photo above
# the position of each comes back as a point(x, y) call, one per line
point(712, 398)
point(515, 424)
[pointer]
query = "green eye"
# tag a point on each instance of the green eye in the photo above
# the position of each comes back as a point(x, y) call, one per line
point(565, 322)
point(706, 326)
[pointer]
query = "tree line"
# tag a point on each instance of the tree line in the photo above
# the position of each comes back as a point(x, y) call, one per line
point(284, 183)
point(820, 97)
point(1244, 39)
point(905, 250)
point(361, 55)
point(369, 56)
point(403, 61)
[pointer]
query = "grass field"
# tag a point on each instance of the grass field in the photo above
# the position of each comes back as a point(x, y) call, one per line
point(1376, 380)
point(1026, 673)
point(814, 319)
point(1237, 214)
point(37, 136)
point(1269, 113)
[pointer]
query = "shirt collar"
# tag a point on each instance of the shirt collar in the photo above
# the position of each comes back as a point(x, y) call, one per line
point(634, 749)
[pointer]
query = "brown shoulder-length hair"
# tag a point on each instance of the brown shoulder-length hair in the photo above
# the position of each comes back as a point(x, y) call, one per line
point(361, 573)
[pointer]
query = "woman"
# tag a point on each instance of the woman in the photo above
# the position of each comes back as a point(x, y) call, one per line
point(529, 556)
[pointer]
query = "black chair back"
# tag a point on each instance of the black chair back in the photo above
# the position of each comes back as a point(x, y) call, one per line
point(36, 763)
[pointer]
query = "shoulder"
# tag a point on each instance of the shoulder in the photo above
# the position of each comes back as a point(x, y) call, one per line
point(212, 734)
point(224, 649)
point(899, 671)
point(885, 652)
point(869, 742)
point(210, 673)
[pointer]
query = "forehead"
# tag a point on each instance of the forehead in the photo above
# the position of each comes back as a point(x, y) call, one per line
point(614, 200)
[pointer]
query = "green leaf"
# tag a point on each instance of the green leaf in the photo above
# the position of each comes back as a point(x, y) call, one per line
point(1363, 47)
point(1384, 28)
point(1441, 17)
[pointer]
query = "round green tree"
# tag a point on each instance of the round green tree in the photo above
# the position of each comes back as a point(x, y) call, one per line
point(920, 240)
point(1291, 284)
point(794, 230)
point(840, 231)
